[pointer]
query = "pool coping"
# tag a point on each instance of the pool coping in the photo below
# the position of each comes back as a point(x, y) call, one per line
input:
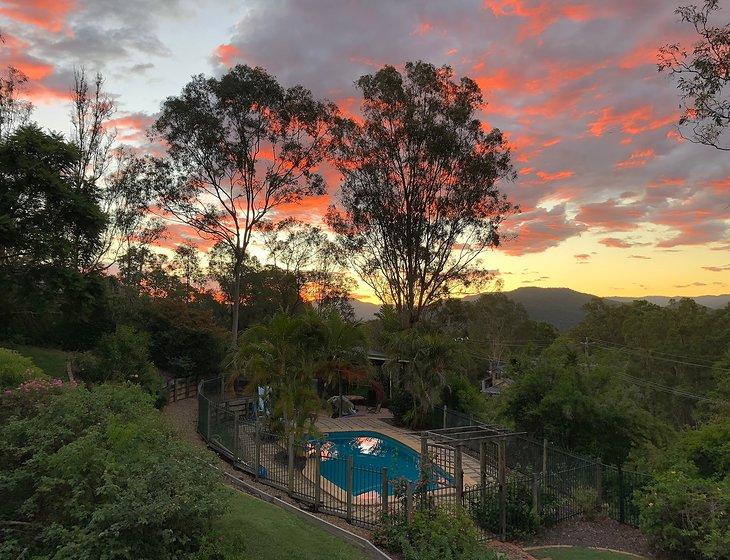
point(376, 501)
point(378, 424)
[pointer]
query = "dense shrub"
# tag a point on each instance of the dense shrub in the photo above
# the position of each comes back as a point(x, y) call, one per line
point(15, 369)
point(123, 355)
point(462, 395)
point(586, 501)
point(522, 519)
point(184, 339)
point(687, 517)
point(399, 404)
point(434, 534)
point(684, 511)
point(98, 474)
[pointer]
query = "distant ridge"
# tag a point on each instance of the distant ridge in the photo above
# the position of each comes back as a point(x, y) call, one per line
point(561, 307)
point(713, 302)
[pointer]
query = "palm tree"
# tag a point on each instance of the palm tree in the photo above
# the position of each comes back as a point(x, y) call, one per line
point(419, 363)
point(344, 352)
point(282, 354)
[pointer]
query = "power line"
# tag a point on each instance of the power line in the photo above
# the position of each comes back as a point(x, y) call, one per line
point(666, 389)
point(653, 352)
point(639, 351)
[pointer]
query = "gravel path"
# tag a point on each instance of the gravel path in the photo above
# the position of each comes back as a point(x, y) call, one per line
point(184, 414)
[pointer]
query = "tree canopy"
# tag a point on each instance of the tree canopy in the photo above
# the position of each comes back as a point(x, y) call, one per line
point(703, 76)
point(419, 201)
point(238, 147)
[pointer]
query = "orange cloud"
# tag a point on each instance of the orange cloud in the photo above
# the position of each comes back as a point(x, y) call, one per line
point(639, 56)
point(424, 28)
point(614, 242)
point(721, 186)
point(635, 121)
point(638, 158)
point(309, 210)
point(538, 15)
point(610, 216)
point(557, 176)
point(15, 54)
point(226, 53)
point(500, 79)
point(538, 230)
point(46, 14)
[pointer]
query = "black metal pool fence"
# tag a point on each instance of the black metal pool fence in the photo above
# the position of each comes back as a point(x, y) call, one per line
point(514, 486)
point(554, 483)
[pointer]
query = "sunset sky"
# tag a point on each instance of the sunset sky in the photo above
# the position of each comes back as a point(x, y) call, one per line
point(613, 201)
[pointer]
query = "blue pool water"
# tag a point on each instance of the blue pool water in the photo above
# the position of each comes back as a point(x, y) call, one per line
point(370, 452)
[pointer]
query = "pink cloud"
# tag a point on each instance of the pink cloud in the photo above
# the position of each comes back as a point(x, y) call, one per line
point(556, 176)
point(637, 158)
point(225, 54)
point(49, 15)
point(634, 121)
point(538, 230)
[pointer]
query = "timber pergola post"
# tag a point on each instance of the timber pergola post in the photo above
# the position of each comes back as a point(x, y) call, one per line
point(473, 441)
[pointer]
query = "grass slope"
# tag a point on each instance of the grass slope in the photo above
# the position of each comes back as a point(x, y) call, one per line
point(255, 530)
point(50, 360)
point(578, 553)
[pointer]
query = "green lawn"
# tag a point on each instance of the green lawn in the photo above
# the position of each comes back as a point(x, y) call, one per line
point(578, 553)
point(50, 360)
point(256, 530)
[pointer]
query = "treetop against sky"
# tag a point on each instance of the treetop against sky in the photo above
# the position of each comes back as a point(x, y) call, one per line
point(613, 200)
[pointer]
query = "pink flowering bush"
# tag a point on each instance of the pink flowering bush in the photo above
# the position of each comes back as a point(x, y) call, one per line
point(30, 395)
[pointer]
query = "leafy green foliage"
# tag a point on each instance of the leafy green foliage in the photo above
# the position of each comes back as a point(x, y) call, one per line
point(46, 219)
point(578, 406)
point(462, 395)
point(674, 346)
point(492, 327)
point(15, 369)
point(685, 509)
point(702, 76)
point(97, 474)
point(419, 366)
point(434, 534)
point(216, 132)
point(275, 290)
point(185, 339)
point(686, 517)
point(522, 519)
point(288, 352)
point(122, 356)
point(420, 176)
point(49, 233)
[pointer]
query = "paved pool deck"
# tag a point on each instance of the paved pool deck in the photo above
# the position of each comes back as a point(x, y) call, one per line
point(382, 422)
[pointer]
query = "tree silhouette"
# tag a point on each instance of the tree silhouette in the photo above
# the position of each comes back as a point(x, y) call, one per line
point(703, 77)
point(238, 147)
point(419, 201)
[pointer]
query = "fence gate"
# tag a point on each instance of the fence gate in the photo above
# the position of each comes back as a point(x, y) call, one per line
point(442, 476)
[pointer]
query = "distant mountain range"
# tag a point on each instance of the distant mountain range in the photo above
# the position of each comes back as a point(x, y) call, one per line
point(561, 307)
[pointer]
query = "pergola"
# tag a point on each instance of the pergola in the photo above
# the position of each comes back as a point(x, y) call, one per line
point(459, 435)
point(473, 439)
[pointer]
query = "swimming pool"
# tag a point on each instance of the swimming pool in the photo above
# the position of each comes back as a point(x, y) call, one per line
point(370, 452)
